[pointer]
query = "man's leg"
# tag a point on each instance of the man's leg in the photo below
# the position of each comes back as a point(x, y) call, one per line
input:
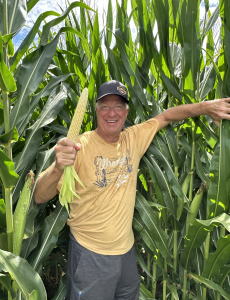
point(91, 276)
point(129, 281)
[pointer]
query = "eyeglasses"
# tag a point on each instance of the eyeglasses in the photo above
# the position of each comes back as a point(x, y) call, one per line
point(117, 108)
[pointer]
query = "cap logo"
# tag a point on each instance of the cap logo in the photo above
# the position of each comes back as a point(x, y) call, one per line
point(121, 90)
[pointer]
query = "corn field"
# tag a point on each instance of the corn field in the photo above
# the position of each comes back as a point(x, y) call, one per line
point(181, 219)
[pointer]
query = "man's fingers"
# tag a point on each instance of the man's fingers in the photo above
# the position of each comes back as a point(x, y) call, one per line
point(78, 146)
point(66, 142)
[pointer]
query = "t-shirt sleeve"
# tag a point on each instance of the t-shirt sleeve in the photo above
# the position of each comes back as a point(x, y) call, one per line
point(143, 134)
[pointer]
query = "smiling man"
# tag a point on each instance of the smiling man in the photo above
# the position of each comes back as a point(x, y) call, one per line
point(102, 263)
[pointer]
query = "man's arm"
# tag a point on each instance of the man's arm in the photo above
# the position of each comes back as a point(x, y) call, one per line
point(216, 109)
point(46, 187)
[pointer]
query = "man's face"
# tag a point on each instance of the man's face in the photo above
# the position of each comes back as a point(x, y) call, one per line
point(111, 115)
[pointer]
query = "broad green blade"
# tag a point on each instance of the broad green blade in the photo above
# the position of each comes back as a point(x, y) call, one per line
point(5, 280)
point(52, 108)
point(218, 259)
point(56, 21)
point(16, 17)
point(218, 194)
point(49, 235)
point(192, 48)
point(7, 82)
point(139, 225)
point(169, 173)
point(197, 234)
point(210, 284)
point(222, 274)
point(29, 38)
point(27, 279)
point(151, 220)
point(31, 4)
point(7, 173)
point(144, 293)
point(163, 184)
point(31, 243)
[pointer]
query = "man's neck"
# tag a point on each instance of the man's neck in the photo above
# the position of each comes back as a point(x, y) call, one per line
point(109, 139)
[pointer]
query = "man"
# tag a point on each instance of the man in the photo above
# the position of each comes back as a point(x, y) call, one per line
point(102, 262)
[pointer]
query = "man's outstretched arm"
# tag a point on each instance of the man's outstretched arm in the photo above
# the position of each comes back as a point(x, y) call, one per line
point(216, 109)
point(46, 187)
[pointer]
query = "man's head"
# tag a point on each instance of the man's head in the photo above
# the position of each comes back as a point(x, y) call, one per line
point(112, 110)
point(113, 87)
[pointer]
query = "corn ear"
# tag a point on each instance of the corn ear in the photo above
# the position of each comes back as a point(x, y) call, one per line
point(21, 213)
point(195, 205)
point(67, 192)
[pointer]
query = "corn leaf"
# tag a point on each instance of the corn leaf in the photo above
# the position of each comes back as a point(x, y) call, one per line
point(197, 234)
point(210, 284)
point(17, 12)
point(33, 136)
point(7, 173)
point(218, 259)
point(151, 220)
point(27, 279)
point(49, 235)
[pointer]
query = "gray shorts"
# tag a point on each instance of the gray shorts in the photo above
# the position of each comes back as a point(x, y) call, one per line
point(93, 276)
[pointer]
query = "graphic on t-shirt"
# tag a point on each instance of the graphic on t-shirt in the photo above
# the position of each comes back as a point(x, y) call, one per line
point(112, 169)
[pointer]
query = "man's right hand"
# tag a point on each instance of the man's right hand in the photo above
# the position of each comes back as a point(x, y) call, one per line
point(66, 151)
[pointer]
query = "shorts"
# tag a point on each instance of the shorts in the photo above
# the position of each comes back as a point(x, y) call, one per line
point(93, 276)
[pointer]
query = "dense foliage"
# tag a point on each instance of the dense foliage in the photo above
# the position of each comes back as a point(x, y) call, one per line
point(181, 219)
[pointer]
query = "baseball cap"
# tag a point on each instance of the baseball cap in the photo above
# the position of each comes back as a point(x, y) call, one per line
point(112, 87)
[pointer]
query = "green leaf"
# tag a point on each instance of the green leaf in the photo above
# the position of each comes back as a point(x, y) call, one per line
point(192, 49)
point(27, 279)
point(163, 184)
point(7, 82)
point(16, 15)
point(46, 91)
point(212, 20)
point(144, 293)
point(7, 173)
point(218, 259)
point(9, 137)
point(153, 151)
point(22, 49)
point(141, 262)
point(48, 114)
point(109, 24)
point(56, 21)
point(51, 228)
point(2, 214)
point(151, 220)
point(5, 280)
point(197, 234)
point(222, 274)
point(209, 284)
point(31, 4)
point(31, 243)
point(147, 238)
point(218, 194)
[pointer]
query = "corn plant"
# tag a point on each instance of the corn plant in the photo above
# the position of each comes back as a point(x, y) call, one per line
point(30, 102)
point(181, 219)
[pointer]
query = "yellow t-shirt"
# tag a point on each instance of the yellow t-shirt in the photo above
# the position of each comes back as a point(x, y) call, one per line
point(101, 220)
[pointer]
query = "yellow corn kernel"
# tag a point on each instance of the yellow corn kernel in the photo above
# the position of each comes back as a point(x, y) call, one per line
point(78, 117)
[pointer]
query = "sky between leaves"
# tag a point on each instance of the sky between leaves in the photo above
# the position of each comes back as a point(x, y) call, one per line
point(56, 5)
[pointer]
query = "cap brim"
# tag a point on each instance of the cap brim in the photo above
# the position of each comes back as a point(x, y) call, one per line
point(126, 100)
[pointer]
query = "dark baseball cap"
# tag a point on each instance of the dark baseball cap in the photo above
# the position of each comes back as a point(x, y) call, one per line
point(113, 87)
